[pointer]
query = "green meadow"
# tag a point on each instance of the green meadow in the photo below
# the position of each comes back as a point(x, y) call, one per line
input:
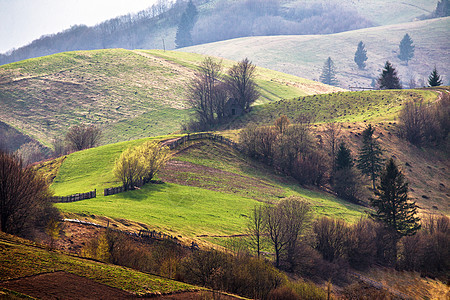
point(213, 195)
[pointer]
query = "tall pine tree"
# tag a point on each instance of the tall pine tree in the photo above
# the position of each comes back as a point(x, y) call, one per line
point(406, 49)
point(183, 36)
point(434, 79)
point(370, 161)
point(388, 79)
point(328, 75)
point(392, 207)
point(345, 180)
point(361, 56)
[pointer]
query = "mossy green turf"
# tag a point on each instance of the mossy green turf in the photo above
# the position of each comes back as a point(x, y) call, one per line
point(129, 94)
point(19, 258)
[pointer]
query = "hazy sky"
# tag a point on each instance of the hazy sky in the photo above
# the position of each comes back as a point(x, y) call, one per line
point(22, 21)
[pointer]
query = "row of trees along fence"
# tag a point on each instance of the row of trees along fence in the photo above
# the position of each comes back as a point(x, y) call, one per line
point(75, 197)
point(172, 145)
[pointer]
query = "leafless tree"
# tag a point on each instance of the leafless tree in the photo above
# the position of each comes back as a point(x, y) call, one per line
point(285, 222)
point(241, 83)
point(331, 237)
point(332, 135)
point(81, 137)
point(206, 92)
point(282, 123)
point(256, 228)
point(25, 200)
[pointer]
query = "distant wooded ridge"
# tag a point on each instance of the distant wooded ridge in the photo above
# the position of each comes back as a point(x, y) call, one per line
point(155, 27)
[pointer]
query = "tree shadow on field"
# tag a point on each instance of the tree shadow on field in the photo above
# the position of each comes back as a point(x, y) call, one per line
point(141, 193)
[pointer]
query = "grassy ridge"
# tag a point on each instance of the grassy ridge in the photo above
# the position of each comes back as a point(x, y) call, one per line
point(130, 94)
point(19, 258)
point(339, 107)
point(304, 56)
point(188, 204)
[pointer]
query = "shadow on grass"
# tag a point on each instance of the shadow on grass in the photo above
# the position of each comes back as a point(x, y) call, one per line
point(142, 193)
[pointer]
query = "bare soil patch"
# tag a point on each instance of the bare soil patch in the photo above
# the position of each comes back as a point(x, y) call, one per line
point(197, 296)
point(186, 173)
point(62, 285)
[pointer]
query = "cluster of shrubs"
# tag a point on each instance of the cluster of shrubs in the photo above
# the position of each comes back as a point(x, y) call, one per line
point(240, 274)
point(426, 124)
point(327, 252)
point(291, 149)
point(365, 243)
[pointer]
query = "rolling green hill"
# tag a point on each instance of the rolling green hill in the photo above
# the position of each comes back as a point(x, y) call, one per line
point(208, 191)
point(130, 94)
point(304, 56)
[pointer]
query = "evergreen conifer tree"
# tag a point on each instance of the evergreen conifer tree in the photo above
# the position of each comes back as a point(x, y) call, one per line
point(406, 49)
point(328, 75)
point(343, 158)
point(392, 206)
point(434, 79)
point(388, 78)
point(370, 161)
point(183, 36)
point(361, 56)
point(345, 180)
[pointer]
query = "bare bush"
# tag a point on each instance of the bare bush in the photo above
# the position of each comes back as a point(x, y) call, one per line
point(25, 199)
point(81, 137)
point(331, 237)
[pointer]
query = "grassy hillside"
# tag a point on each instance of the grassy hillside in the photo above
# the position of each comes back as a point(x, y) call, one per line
point(208, 190)
point(425, 168)
point(304, 56)
point(339, 107)
point(20, 258)
point(130, 94)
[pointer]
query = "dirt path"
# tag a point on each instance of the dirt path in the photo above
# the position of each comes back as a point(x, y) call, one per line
point(62, 285)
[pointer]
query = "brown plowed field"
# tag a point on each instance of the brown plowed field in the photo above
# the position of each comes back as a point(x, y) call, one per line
point(67, 286)
point(62, 285)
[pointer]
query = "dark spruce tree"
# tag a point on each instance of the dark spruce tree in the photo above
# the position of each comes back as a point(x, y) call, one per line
point(406, 49)
point(392, 207)
point(434, 79)
point(183, 36)
point(370, 160)
point(361, 56)
point(328, 75)
point(388, 79)
point(345, 180)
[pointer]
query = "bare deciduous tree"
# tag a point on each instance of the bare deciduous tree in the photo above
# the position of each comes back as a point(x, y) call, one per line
point(241, 83)
point(206, 92)
point(25, 200)
point(285, 222)
point(332, 134)
point(81, 137)
point(256, 228)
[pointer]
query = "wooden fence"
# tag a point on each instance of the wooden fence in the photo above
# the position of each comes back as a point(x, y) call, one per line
point(157, 235)
point(75, 197)
point(172, 145)
point(199, 136)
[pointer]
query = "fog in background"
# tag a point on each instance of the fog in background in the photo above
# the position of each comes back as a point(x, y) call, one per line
point(22, 21)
